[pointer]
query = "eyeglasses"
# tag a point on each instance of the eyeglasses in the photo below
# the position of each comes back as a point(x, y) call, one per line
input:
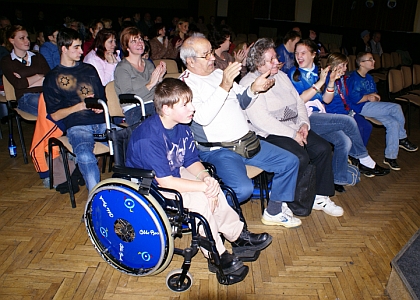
point(208, 55)
point(273, 60)
point(370, 59)
point(136, 40)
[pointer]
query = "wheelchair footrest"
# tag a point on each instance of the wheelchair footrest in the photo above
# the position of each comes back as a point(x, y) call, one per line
point(246, 255)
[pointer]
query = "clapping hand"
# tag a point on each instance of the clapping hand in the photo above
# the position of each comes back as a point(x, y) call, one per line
point(262, 83)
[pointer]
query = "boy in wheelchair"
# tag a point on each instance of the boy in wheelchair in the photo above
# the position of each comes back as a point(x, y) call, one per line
point(164, 143)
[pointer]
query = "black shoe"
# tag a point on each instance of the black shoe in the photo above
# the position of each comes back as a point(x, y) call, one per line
point(407, 145)
point(229, 263)
point(354, 161)
point(376, 171)
point(252, 241)
point(392, 163)
point(339, 188)
point(234, 277)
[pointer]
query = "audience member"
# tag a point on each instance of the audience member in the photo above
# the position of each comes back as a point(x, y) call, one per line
point(104, 56)
point(40, 22)
point(322, 50)
point(286, 50)
point(202, 26)
point(297, 29)
point(94, 27)
point(365, 100)
point(279, 117)
point(164, 143)
point(65, 89)
point(146, 26)
point(340, 130)
point(24, 69)
point(4, 22)
point(3, 50)
point(375, 43)
point(181, 32)
point(107, 23)
point(219, 125)
point(40, 40)
point(363, 44)
point(49, 49)
point(160, 45)
point(135, 75)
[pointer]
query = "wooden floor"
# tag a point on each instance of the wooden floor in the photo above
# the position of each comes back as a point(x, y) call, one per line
point(45, 252)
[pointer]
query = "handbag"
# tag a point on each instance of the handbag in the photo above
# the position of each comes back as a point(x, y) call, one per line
point(305, 193)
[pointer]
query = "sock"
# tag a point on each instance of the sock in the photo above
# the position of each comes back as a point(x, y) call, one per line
point(274, 207)
point(367, 161)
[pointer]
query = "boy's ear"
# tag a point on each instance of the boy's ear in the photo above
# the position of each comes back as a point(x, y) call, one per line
point(165, 110)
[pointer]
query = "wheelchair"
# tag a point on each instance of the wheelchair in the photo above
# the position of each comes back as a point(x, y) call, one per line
point(133, 225)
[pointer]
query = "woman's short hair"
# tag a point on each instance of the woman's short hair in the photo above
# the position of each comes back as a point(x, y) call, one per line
point(11, 33)
point(158, 27)
point(255, 58)
point(336, 58)
point(125, 37)
point(99, 43)
point(65, 38)
point(218, 37)
point(169, 92)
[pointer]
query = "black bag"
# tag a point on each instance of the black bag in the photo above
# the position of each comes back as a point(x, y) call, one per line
point(305, 193)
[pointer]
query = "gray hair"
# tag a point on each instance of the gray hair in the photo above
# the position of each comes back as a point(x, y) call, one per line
point(255, 56)
point(187, 48)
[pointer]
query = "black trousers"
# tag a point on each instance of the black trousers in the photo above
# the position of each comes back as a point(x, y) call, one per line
point(318, 152)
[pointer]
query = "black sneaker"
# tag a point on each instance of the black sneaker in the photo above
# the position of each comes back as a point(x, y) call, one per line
point(371, 172)
point(339, 188)
point(229, 263)
point(354, 161)
point(392, 163)
point(407, 145)
point(252, 241)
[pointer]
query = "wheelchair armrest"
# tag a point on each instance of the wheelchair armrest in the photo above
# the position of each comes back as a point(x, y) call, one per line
point(93, 103)
point(133, 172)
point(128, 98)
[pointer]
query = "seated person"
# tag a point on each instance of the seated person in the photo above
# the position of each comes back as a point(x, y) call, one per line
point(219, 103)
point(364, 45)
point(160, 46)
point(365, 100)
point(164, 143)
point(94, 27)
point(375, 43)
point(24, 69)
point(285, 52)
point(136, 75)
point(336, 98)
point(339, 130)
point(65, 88)
point(49, 49)
point(220, 42)
point(40, 40)
point(103, 56)
point(279, 117)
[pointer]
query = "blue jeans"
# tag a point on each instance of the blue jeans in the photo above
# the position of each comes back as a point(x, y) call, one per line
point(133, 115)
point(391, 115)
point(343, 133)
point(230, 167)
point(82, 140)
point(29, 103)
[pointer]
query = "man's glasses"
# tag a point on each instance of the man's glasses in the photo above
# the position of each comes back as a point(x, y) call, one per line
point(370, 59)
point(207, 56)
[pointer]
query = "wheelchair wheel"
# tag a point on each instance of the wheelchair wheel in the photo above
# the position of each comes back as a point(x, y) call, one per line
point(129, 230)
point(172, 281)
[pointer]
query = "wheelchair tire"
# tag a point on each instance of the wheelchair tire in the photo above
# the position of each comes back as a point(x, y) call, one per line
point(130, 231)
point(172, 280)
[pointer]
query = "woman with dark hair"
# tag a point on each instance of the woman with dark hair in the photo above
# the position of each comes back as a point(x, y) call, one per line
point(103, 56)
point(136, 75)
point(322, 51)
point(160, 45)
point(94, 27)
point(220, 42)
point(24, 69)
point(279, 117)
point(340, 130)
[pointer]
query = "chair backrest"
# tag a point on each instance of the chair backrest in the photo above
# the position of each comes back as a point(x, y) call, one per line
point(352, 63)
point(113, 101)
point(386, 60)
point(9, 90)
point(171, 66)
point(395, 81)
point(378, 62)
point(396, 59)
point(408, 79)
point(416, 74)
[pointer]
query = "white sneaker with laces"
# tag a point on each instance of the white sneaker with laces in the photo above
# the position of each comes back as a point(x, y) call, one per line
point(328, 206)
point(285, 218)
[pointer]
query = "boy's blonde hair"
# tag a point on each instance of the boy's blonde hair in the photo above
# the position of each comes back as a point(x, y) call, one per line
point(169, 92)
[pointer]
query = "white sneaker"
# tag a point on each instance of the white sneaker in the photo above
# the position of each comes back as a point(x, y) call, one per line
point(285, 218)
point(328, 206)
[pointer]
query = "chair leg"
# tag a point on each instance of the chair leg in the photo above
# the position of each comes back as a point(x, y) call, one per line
point(22, 141)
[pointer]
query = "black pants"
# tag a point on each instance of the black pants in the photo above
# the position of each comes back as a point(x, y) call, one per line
point(318, 152)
